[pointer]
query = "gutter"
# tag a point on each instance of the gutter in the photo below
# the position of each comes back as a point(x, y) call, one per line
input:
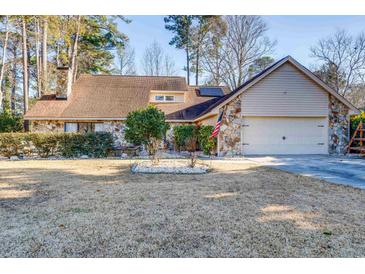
point(94, 119)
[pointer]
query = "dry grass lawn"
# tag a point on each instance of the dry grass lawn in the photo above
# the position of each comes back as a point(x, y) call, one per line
point(97, 208)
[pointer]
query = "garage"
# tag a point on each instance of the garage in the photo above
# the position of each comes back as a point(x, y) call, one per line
point(284, 135)
point(285, 109)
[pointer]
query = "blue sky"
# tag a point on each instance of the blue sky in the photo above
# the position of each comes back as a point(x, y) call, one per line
point(294, 34)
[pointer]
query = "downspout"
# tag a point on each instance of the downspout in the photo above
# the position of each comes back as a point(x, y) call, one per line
point(348, 130)
point(218, 151)
point(241, 132)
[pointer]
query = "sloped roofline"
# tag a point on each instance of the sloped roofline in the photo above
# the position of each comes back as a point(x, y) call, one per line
point(245, 86)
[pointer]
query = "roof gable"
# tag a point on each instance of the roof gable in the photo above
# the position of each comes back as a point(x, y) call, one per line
point(245, 86)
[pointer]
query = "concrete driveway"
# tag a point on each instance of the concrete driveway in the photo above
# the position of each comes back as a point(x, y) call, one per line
point(339, 170)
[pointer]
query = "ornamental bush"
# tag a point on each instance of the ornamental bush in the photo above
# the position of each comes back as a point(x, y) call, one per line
point(146, 127)
point(186, 133)
point(206, 144)
point(97, 144)
point(182, 134)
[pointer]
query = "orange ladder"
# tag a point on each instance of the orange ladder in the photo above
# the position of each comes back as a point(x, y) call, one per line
point(357, 138)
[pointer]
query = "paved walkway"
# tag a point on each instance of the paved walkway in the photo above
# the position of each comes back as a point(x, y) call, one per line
point(339, 170)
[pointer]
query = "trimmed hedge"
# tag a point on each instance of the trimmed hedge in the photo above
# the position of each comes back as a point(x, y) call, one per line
point(97, 144)
point(184, 133)
point(12, 144)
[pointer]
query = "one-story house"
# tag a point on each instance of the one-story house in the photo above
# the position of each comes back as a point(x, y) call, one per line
point(285, 109)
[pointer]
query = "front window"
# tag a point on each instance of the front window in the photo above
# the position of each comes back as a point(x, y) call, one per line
point(159, 98)
point(99, 127)
point(169, 98)
point(71, 127)
point(84, 127)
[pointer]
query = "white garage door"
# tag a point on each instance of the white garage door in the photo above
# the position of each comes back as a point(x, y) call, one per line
point(272, 135)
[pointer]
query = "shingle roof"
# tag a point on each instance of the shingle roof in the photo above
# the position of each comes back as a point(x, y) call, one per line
point(193, 106)
point(114, 96)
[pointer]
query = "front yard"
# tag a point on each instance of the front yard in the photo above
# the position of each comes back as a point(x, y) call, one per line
point(97, 208)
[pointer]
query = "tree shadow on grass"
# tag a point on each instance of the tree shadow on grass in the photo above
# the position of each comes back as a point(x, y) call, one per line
point(226, 213)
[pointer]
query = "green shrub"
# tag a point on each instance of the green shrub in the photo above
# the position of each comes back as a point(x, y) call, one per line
point(182, 134)
point(11, 144)
point(10, 123)
point(72, 145)
point(45, 143)
point(96, 144)
point(146, 127)
point(206, 144)
point(355, 120)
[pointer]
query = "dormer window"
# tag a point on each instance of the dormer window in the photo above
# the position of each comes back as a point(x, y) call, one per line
point(160, 98)
point(164, 98)
point(167, 96)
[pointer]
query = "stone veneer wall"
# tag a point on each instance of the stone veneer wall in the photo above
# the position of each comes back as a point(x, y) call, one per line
point(230, 131)
point(117, 128)
point(114, 127)
point(47, 126)
point(338, 126)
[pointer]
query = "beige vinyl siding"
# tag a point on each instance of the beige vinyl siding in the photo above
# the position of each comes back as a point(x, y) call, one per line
point(285, 92)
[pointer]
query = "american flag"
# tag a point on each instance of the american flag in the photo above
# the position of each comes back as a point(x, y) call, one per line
point(217, 126)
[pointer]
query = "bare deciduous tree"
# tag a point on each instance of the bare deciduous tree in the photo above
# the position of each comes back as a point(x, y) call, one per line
point(244, 43)
point(169, 66)
point(126, 58)
point(343, 60)
point(155, 62)
point(357, 95)
point(228, 59)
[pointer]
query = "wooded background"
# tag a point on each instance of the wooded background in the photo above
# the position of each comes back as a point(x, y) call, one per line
point(42, 55)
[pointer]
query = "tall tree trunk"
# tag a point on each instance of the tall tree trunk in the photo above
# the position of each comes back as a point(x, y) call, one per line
point(72, 66)
point(25, 66)
point(187, 65)
point(197, 67)
point(44, 56)
point(38, 59)
point(14, 82)
point(5, 45)
point(75, 72)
